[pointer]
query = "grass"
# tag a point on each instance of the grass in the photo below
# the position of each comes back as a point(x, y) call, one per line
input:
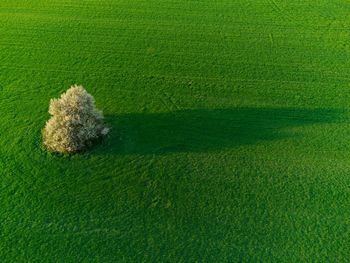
point(230, 131)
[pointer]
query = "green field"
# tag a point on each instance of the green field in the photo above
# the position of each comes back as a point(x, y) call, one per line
point(230, 135)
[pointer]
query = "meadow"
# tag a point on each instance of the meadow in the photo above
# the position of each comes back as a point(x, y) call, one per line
point(230, 135)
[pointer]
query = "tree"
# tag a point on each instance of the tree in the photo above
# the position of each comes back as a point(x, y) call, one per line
point(75, 123)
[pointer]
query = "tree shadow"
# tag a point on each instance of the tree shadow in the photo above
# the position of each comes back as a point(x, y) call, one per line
point(205, 130)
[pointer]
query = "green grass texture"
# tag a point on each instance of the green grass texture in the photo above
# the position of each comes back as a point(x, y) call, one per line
point(230, 135)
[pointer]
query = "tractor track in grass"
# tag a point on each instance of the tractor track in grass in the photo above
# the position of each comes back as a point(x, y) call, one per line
point(138, 163)
point(334, 30)
point(328, 79)
point(67, 228)
point(280, 10)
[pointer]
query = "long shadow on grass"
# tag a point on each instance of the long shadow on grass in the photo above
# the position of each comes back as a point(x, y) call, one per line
point(206, 130)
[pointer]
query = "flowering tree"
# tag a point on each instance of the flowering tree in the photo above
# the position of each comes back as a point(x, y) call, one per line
point(75, 123)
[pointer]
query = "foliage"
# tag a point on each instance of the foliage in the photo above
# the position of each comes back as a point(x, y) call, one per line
point(75, 123)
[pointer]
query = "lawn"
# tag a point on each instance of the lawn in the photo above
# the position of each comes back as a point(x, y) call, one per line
point(230, 135)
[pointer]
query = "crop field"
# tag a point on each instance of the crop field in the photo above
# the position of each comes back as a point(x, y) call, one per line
point(230, 131)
